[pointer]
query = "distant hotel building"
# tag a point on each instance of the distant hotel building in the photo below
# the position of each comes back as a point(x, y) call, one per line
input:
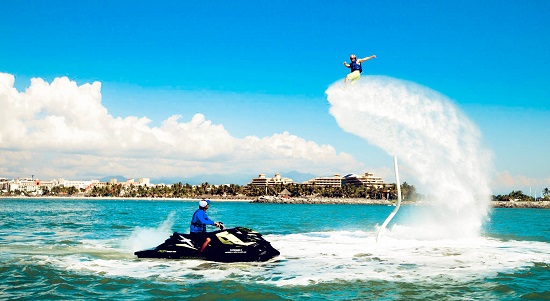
point(367, 180)
point(24, 184)
point(77, 184)
point(262, 181)
point(334, 181)
point(131, 181)
point(36, 186)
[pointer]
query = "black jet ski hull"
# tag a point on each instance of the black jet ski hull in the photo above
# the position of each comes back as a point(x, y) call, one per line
point(230, 245)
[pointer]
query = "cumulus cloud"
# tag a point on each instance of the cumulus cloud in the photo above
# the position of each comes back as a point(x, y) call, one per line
point(62, 129)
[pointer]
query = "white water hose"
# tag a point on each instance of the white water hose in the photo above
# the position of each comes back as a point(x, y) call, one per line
point(392, 214)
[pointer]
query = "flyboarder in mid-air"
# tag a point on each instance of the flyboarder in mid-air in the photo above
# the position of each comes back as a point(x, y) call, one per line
point(355, 68)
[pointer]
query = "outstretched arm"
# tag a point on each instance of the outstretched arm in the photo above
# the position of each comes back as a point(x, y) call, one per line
point(366, 58)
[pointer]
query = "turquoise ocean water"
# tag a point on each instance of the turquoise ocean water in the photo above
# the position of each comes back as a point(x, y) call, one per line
point(83, 250)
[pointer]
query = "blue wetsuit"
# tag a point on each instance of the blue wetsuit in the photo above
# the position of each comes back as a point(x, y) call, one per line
point(199, 222)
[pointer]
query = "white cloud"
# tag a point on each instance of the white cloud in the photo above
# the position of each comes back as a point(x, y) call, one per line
point(505, 182)
point(62, 129)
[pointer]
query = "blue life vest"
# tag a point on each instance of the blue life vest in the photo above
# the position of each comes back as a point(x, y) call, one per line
point(196, 223)
point(355, 66)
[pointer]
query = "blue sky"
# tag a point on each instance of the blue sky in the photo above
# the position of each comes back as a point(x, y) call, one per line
point(261, 68)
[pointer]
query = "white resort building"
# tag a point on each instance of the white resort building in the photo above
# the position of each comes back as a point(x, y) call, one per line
point(334, 181)
point(34, 186)
point(367, 180)
point(262, 181)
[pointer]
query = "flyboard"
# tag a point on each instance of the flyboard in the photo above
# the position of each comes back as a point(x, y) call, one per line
point(392, 214)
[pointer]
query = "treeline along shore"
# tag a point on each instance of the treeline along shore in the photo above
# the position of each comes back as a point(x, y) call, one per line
point(280, 194)
point(289, 200)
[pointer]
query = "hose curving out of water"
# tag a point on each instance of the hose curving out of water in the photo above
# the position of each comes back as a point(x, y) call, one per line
point(392, 214)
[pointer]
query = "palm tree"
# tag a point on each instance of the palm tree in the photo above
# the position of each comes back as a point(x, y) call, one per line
point(71, 190)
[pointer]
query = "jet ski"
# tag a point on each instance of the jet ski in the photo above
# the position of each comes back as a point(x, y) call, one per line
point(238, 244)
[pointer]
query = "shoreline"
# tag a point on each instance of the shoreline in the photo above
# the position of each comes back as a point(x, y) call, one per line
point(120, 198)
point(361, 201)
point(516, 204)
point(290, 201)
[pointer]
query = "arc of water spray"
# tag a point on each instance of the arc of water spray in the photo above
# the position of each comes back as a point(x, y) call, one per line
point(392, 214)
point(444, 149)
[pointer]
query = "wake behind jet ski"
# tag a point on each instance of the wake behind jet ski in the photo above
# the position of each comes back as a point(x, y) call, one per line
point(238, 244)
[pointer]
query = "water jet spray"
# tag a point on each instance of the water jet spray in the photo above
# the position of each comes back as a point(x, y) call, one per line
point(436, 141)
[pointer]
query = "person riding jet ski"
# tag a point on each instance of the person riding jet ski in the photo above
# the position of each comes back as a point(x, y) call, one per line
point(199, 221)
point(239, 244)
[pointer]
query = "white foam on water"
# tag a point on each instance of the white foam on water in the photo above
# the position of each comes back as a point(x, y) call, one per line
point(145, 238)
point(325, 257)
point(435, 142)
point(356, 256)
